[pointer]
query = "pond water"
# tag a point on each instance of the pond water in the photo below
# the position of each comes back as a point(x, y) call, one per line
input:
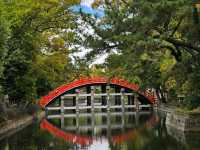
point(131, 131)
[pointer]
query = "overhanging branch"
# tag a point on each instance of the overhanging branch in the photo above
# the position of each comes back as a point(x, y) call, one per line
point(183, 44)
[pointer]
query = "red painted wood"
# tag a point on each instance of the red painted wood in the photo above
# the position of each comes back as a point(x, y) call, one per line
point(83, 141)
point(89, 81)
point(86, 140)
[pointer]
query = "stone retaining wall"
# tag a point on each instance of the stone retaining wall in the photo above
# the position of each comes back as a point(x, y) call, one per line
point(12, 126)
point(183, 122)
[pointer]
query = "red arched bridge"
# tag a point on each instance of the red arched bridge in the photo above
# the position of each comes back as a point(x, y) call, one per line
point(97, 93)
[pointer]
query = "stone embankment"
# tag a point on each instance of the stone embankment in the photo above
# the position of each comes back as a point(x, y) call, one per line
point(12, 126)
point(184, 121)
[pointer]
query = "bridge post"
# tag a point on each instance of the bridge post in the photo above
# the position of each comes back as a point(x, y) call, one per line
point(92, 103)
point(137, 118)
point(123, 121)
point(92, 98)
point(77, 109)
point(77, 123)
point(74, 103)
point(88, 88)
point(46, 112)
point(130, 101)
point(108, 97)
point(123, 108)
point(77, 99)
point(103, 98)
point(93, 123)
point(117, 97)
point(62, 121)
point(122, 100)
point(136, 103)
point(109, 124)
point(62, 110)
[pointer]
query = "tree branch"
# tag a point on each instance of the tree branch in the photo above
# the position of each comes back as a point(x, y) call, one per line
point(174, 51)
point(180, 43)
point(177, 26)
point(125, 2)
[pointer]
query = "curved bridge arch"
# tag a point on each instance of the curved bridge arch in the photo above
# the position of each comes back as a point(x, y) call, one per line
point(44, 101)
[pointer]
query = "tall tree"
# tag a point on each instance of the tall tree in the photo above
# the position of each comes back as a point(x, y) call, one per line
point(4, 32)
point(143, 33)
point(29, 20)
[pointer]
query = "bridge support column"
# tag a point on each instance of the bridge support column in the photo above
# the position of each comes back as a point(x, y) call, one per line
point(46, 112)
point(93, 123)
point(77, 123)
point(122, 100)
point(77, 99)
point(123, 121)
point(77, 110)
point(62, 110)
point(62, 121)
point(103, 98)
point(123, 108)
point(74, 102)
point(109, 125)
point(93, 107)
point(88, 88)
point(136, 103)
point(130, 101)
point(117, 97)
point(137, 118)
point(108, 97)
point(92, 98)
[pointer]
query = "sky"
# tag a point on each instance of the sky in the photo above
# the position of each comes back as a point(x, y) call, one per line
point(86, 7)
point(87, 2)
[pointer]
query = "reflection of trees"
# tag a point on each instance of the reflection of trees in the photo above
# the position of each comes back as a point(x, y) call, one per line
point(154, 138)
point(149, 136)
point(34, 139)
point(190, 139)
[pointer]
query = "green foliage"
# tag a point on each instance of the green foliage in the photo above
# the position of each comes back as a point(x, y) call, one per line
point(156, 43)
point(49, 71)
point(192, 102)
point(4, 32)
point(32, 34)
point(97, 71)
point(152, 43)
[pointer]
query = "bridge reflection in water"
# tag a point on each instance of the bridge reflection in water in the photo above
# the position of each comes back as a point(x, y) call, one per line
point(111, 127)
point(91, 111)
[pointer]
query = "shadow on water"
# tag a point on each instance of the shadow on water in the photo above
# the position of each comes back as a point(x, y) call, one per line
point(138, 131)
